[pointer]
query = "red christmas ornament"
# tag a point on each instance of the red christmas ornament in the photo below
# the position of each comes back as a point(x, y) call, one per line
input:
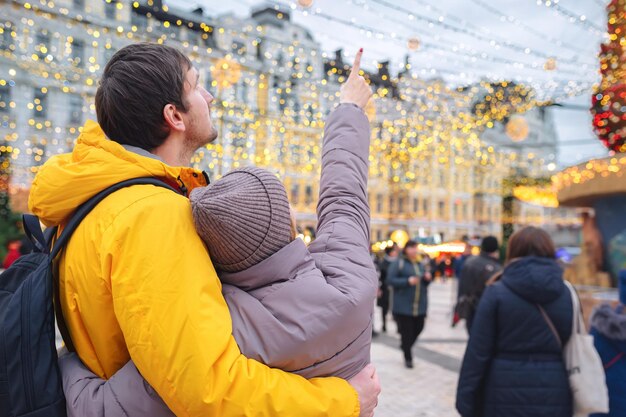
point(608, 109)
point(608, 104)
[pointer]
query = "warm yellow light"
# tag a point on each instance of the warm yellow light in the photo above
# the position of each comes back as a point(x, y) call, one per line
point(401, 237)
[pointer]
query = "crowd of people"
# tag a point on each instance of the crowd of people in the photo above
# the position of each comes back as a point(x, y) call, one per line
point(519, 317)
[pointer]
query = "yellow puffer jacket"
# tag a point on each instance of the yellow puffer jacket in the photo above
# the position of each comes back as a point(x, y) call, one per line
point(136, 282)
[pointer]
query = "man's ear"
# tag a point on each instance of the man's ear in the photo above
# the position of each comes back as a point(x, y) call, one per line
point(173, 118)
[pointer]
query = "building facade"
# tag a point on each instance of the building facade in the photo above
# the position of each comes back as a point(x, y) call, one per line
point(432, 174)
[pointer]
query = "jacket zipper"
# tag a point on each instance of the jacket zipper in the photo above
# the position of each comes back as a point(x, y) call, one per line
point(417, 291)
point(26, 352)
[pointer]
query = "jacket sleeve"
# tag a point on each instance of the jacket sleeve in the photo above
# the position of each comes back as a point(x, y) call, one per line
point(342, 246)
point(478, 356)
point(395, 277)
point(125, 394)
point(168, 303)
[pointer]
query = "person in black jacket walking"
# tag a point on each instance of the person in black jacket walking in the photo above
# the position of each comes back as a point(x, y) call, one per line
point(410, 281)
point(513, 365)
point(475, 273)
point(391, 255)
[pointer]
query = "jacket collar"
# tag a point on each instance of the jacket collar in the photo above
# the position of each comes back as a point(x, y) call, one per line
point(67, 181)
point(141, 151)
point(283, 266)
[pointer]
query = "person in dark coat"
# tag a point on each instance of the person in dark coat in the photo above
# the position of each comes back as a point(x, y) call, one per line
point(475, 273)
point(513, 365)
point(608, 327)
point(410, 283)
point(391, 255)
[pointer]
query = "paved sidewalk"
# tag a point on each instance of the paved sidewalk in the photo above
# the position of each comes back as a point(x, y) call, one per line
point(429, 389)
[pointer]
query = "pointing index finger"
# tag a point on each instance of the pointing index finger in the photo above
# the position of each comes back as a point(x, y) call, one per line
point(356, 67)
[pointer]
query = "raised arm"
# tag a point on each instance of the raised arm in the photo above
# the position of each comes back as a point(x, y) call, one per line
point(341, 247)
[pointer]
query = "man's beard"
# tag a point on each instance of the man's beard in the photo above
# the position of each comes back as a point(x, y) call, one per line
point(197, 138)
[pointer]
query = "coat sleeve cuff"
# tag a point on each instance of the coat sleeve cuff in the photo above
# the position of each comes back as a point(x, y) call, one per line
point(357, 406)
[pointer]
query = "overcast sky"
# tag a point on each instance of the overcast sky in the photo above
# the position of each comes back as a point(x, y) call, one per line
point(455, 42)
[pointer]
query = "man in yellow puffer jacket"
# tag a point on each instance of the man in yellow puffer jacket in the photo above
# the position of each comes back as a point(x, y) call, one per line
point(136, 280)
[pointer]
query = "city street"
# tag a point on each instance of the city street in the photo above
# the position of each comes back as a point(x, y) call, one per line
point(429, 389)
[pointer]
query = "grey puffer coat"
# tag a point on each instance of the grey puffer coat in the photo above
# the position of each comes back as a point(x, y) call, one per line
point(304, 310)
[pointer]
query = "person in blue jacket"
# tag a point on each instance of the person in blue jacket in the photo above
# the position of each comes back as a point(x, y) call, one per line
point(409, 279)
point(513, 365)
point(608, 327)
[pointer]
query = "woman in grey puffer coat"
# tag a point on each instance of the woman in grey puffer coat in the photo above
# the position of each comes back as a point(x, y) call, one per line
point(304, 310)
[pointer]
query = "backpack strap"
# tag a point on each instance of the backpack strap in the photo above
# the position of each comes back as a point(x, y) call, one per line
point(69, 229)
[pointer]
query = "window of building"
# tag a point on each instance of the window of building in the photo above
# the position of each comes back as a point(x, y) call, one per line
point(425, 205)
point(400, 205)
point(259, 50)
point(239, 47)
point(308, 195)
point(295, 193)
point(5, 98)
point(379, 203)
point(78, 53)
point(138, 20)
point(6, 40)
point(40, 104)
point(391, 206)
point(442, 209)
point(110, 9)
point(416, 206)
point(76, 109)
point(42, 44)
point(108, 54)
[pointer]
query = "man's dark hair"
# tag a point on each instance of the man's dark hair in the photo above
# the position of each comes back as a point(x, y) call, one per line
point(391, 248)
point(137, 83)
point(490, 244)
point(408, 245)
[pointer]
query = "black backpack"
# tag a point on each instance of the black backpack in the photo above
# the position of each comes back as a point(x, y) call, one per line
point(30, 380)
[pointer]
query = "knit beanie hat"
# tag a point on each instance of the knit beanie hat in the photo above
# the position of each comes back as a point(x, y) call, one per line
point(490, 244)
point(243, 218)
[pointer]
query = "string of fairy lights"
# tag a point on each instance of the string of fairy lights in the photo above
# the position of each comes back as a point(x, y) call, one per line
point(416, 123)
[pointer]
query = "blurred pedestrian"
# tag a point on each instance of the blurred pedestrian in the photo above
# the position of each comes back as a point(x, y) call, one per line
point(608, 327)
point(475, 273)
point(460, 260)
point(391, 255)
point(410, 297)
point(441, 268)
point(514, 365)
point(13, 253)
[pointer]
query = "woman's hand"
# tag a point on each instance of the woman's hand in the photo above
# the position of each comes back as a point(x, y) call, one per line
point(413, 281)
point(356, 90)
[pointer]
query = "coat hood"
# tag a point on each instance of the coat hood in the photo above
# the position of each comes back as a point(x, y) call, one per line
point(282, 266)
point(610, 323)
point(67, 181)
point(537, 280)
